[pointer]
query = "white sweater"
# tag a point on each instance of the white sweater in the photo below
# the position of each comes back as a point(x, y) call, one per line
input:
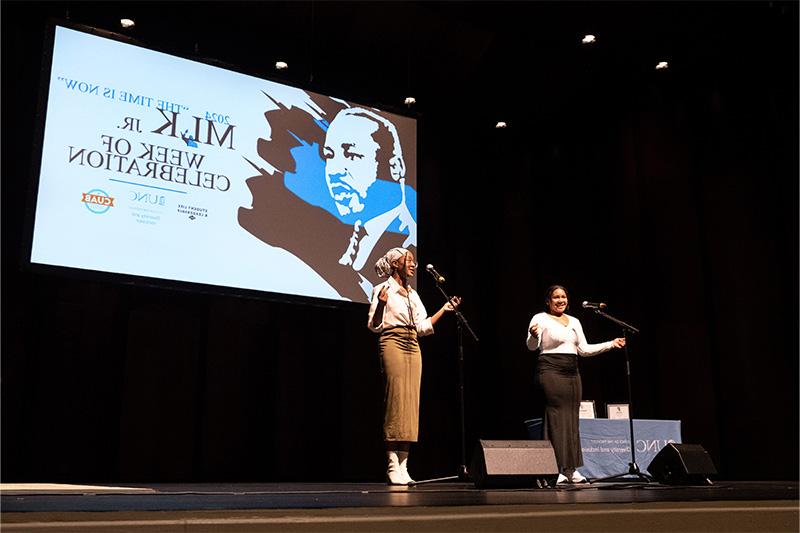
point(555, 337)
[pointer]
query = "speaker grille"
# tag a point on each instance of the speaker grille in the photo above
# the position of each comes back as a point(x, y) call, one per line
point(517, 463)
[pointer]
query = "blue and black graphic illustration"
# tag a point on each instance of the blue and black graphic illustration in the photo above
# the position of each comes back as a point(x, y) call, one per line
point(340, 194)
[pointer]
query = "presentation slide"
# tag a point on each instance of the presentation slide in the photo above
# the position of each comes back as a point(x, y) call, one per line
point(158, 166)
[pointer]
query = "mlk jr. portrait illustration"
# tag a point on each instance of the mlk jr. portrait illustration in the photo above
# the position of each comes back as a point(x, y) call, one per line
point(344, 196)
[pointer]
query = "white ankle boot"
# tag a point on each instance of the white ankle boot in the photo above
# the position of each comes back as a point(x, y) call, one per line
point(394, 475)
point(571, 475)
point(577, 477)
point(403, 459)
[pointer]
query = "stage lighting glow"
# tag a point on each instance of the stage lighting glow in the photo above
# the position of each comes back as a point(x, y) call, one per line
point(281, 65)
point(662, 65)
point(588, 39)
point(127, 23)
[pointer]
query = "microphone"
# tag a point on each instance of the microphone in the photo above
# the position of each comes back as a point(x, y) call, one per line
point(594, 305)
point(432, 271)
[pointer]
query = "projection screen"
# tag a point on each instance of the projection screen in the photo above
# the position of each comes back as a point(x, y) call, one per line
point(157, 166)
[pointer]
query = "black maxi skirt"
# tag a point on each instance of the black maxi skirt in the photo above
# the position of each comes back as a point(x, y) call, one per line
point(561, 383)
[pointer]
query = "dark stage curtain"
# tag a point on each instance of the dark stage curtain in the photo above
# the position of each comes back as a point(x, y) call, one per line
point(672, 197)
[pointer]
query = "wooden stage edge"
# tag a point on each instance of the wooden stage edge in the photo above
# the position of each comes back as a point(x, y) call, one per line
point(745, 506)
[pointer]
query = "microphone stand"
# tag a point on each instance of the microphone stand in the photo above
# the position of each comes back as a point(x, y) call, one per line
point(633, 468)
point(463, 473)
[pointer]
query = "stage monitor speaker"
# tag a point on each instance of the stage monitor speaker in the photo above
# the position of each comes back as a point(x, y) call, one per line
point(682, 464)
point(514, 463)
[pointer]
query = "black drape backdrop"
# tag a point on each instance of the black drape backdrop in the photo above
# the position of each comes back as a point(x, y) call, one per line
point(670, 195)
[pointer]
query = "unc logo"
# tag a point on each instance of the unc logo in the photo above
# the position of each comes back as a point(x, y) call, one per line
point(651, 445)
point(97, 201)
point(148, 198)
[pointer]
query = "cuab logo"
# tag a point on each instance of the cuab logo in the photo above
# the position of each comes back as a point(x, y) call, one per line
point(97, 201)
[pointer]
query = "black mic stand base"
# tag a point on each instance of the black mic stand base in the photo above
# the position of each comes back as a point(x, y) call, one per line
point(633, 470)
point(462, 476)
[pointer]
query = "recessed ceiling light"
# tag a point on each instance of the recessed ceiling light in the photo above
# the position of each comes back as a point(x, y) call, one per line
point(662, 65)
point(281, 65)
point(588, 39)
point(127, 23)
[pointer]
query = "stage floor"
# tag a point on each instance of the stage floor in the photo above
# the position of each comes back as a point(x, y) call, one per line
point(724, 506)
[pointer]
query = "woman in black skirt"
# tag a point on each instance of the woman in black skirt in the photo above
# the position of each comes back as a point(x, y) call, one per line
point(560, 338)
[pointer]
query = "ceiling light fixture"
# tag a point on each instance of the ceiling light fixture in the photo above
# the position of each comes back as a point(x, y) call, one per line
point(662, 65)
point(127, 23)
point(500, 125)
point(281, 65)
point(410, 100)
point(588, 39)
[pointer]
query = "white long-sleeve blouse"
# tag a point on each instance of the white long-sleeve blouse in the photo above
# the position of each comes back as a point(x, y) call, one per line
point(399, 310)
point(555, 337)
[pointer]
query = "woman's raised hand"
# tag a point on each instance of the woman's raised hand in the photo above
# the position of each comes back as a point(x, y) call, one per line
point(454, 302)
point(383, 296)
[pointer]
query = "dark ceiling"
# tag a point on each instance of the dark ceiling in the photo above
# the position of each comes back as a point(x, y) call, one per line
point(380, 52)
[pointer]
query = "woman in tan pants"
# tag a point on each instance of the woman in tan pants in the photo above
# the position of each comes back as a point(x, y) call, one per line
point(397, 313)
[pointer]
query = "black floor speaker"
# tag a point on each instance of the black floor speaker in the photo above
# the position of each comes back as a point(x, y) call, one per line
point(514, 464)
point(682, 464)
